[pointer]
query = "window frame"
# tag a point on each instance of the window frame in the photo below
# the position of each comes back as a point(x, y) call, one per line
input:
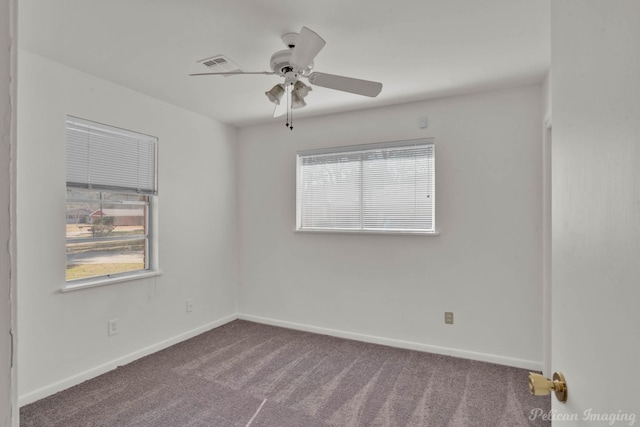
point(361, 148)
point(150, 268)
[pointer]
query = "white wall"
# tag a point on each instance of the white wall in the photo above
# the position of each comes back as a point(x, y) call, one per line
point(63, 336)
point(485, 265)
point(8, 401)
point(546, 96)
point(596, 206)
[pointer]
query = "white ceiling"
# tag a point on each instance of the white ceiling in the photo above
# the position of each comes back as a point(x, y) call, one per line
point(418, 49)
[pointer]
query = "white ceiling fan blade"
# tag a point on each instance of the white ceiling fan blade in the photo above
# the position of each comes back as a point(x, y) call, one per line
point(233, 73)
point(309, 44)
point(280, 109)
point(346, 84)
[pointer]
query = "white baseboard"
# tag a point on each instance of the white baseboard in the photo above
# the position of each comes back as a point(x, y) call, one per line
point(391, 342)
point(50, 389)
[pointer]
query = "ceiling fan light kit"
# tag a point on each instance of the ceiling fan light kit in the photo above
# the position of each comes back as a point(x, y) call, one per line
point(297, 62)
point(301, 89)
point(275, 94)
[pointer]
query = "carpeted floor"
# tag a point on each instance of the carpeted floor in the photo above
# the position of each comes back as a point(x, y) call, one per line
point(248, 374)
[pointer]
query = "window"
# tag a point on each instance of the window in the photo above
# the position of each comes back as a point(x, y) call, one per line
point(111, 188)
point(387, 187)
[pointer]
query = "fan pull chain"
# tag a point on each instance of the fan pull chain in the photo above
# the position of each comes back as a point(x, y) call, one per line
point(289, 122)
point(287, 94)
point(290, 107)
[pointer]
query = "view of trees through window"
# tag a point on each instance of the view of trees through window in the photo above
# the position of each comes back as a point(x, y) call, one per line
point(107, 233)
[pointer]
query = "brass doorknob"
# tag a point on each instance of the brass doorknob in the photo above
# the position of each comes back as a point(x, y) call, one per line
point(539, 385)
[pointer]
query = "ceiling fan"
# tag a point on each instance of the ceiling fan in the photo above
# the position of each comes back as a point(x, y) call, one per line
point(297, 62)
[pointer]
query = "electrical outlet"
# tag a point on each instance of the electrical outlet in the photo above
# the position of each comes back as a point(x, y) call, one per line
point(113, 327)
point(448, 317)
point(189, 305)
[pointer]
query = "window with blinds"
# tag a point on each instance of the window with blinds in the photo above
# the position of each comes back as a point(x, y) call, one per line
point(386, 187)
point(111, 188)
point(105, 157)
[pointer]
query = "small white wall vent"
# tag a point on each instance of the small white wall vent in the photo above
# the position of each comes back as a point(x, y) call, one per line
point(220, 64)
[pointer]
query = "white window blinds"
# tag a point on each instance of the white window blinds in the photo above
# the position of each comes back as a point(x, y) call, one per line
point(378, 187)
point(105, 157)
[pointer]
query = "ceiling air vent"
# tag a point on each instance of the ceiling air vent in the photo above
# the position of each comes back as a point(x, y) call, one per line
point(220, 64)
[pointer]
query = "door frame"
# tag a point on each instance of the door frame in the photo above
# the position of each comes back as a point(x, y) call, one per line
point(546, 245)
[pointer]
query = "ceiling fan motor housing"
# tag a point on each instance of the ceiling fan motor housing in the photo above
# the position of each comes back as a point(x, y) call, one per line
point(281, 62)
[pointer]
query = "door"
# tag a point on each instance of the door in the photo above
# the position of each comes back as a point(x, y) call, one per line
point(596, 210)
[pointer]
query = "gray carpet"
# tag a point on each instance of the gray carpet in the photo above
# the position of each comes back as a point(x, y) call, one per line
point(248, 374)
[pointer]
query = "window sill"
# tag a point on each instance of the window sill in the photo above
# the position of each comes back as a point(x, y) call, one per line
point(101, 281)
point(391, 233)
